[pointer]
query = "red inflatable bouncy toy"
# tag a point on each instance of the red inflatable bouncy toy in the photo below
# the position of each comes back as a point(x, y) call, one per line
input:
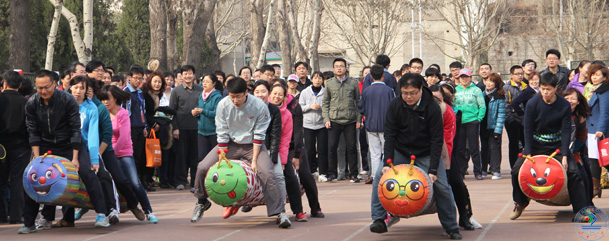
point(543, 179)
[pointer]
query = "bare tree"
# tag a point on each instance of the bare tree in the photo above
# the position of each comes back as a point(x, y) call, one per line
point(172, 33)
point(579, 26)
point(300, 50)
point(52, 35)
point(313, 52)
point(284, 37)
point(158, 32)
point(210, 37)
point(83, 48)
point(256, 8)
point(267, 36)
point(19, 47)
point(229, 28)
point(477, 24)
point(195, 17)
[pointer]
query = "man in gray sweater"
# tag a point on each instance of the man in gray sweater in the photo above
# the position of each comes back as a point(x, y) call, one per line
point(241, 124)
point(184, 98)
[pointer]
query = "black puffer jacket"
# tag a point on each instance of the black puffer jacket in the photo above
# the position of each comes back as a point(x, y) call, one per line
point(273, 133)
point(57, 123)
point(298, 132)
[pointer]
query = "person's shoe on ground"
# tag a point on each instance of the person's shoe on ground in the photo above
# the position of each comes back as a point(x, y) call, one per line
point(43, 224)
point(26, 230)
point(113, 216)
point(496, 176)
point(62, 224)
point(102, 221)
point(301, 217)
point(139, 214)
point(152, 218)
point(284, 221)
point(180, 187)
point(197, 214)
point(454, 234)
point(378, 226)
point(246, 209)
point(517, 211)
point(79, 212)
point(318, 214)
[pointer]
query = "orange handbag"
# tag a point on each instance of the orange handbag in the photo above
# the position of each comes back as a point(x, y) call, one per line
point(153, 150)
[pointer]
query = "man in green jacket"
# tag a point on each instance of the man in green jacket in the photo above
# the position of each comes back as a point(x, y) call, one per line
point(470, 101)
point(341, 115)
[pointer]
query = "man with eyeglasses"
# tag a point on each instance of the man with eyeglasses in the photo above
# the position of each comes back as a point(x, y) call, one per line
point(137, 114)
point(95, 70)
point(529, 66)
point(513, 122)
point(341, 116)
point(553, 62)
point(241, 124)
point(416, 66)
point(75, 69)
point(414, 126)
point(53, 123)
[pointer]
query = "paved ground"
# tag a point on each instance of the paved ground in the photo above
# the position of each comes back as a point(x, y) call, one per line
point(347, 208)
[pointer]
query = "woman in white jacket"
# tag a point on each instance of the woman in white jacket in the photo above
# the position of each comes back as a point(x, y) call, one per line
point(315, 132)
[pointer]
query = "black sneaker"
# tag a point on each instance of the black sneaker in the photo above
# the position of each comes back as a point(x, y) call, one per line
point(354, 180)
point(378, 226)
point(246, 209)
point(454, 234)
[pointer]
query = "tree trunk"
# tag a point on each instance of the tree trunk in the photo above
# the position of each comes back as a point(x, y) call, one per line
point(257, 30)
point(52, 33)
point(300, 50)
point(210, 36)
point(314, 42)
point(87, 18)
point(284, 38)
point(19, 40)
point(158, 32)
point(267, 36)
point(195, 17)
point(83, 53)
point(172, 33)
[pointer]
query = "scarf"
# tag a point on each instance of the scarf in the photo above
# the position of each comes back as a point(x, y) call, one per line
point(316, 89)
point(155, 96)
point(206, 95)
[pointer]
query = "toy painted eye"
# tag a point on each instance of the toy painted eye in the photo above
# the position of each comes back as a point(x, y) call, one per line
point(215, 177)
point(34, 177)
point(547, 172)
point(415, 190)
point(48, 174)
point(390, 189)
point(533, 173)
point(390, 186)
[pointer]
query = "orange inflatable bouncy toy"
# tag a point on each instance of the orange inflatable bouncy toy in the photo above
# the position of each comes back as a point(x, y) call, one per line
point(406, 191)
point(543, 179)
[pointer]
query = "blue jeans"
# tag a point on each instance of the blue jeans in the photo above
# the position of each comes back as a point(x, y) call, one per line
point(445, 202)
point(128, 166)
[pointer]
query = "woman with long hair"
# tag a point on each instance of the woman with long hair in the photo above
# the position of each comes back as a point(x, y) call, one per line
point(580, 112)
point(598, 121)
point(495, 117)
point(581, 77)
point(112, 97)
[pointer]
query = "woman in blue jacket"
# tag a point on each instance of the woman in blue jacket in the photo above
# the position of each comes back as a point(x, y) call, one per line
point(598, 122)
point(495, 117)
point(206, 112)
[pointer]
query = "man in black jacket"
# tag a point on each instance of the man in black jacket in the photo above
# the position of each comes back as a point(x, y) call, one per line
point(13, 136)
point(53, 123)
point(413, 126)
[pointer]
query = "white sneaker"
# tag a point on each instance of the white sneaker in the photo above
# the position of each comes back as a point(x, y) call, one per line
point(475, 223)
point(43, 224)
point(363, 173)
point(113, 216)
point(284, 220)
point(101, 221)
point(322, 178)
point(316, 175)
point(496, 176)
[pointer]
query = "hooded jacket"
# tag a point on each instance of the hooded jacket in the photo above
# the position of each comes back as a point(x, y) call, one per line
point(287, 127)
point(312, 119)
point(416, 131)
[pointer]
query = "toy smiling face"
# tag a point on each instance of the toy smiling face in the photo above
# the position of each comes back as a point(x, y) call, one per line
point(541, 180)
point(226, 185)
point(404, 194)
point(44, 178)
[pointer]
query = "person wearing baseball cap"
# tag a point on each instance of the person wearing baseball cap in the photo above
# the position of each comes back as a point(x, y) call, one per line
point(470, 101)
point(293, 86)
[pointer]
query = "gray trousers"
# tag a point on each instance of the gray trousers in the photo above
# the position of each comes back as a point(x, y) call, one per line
point(275, 204)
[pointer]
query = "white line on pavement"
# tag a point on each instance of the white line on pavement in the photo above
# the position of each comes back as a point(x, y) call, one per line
point(356, 232)
point(490, 225)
